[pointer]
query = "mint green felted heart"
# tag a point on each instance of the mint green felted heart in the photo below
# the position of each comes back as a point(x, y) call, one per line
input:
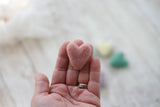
point(118, 60)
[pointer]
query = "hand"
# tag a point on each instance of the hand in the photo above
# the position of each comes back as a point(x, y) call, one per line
point(63, 91)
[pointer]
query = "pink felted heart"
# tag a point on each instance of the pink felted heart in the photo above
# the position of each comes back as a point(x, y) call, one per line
point(78, 55)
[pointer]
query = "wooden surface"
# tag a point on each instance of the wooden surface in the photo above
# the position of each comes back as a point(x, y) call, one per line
point(133, 26)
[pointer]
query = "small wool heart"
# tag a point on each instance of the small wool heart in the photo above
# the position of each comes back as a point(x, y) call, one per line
point(79, 55)
point(118, 60)
point(104, 49)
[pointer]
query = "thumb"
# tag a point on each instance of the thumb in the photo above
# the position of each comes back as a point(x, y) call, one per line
point(41, 84)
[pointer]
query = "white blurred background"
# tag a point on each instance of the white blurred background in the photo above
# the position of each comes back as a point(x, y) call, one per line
point(31, 32)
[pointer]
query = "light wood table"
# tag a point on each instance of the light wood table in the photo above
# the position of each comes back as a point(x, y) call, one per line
point(133, 26)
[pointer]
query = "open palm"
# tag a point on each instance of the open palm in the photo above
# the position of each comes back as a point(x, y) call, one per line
point(63, 91)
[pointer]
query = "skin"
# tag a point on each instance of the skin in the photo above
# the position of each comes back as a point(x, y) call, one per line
point(63, 91)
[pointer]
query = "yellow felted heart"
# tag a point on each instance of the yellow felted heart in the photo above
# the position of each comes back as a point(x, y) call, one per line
point(104, 49)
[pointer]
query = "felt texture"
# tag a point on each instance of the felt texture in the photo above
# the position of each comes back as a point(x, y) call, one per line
point(79, 55)
point(104, 49)
point(118, 60)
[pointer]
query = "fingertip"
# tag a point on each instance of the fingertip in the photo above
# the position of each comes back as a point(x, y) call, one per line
point(62, 50)
point(41, 84)
point(41, 77)
point(96, 59)
point(65, 43)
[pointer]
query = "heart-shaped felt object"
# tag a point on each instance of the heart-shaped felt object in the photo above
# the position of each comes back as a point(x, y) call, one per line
point(79, 55)
point(104, 49)
point(118, 60)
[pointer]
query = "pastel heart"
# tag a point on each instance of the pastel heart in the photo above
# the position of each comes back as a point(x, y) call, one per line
point(118, 60)
point(79, 55)
point(104, 49)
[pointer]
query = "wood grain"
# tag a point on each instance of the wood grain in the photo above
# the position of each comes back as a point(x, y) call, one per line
point(133, 26)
